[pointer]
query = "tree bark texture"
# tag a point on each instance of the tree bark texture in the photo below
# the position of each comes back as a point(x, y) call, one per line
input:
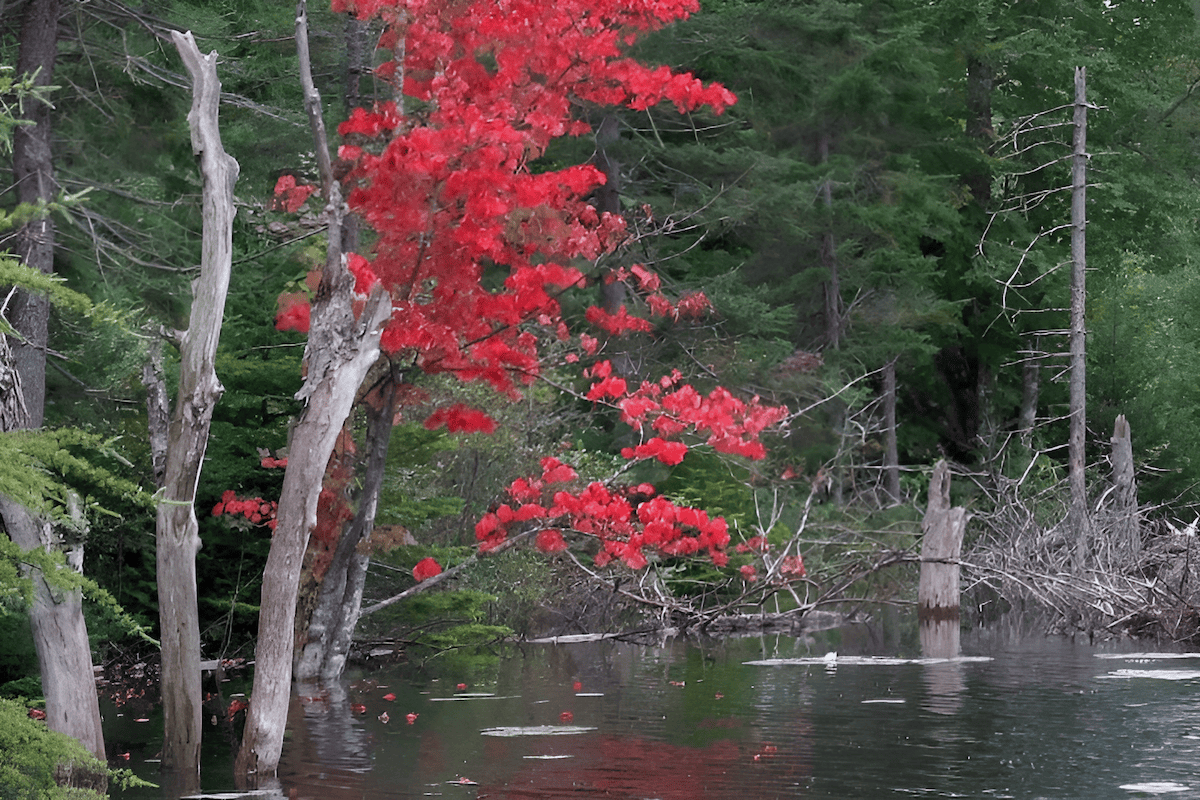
point(1125, 501)
point(33, 171)
point(981, 79)
point(341, 349)
point(59, 635)
point(178, 534)
point(326, 643)
point(1080, 519)
point(56, 616)
point(941, 546)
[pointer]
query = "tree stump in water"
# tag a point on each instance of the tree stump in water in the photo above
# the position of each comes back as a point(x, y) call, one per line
point(938, 593)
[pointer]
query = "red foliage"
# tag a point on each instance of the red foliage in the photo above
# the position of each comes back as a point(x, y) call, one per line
point(291, 196)
point(449, 194)
point(255, 509)
point(425, 569)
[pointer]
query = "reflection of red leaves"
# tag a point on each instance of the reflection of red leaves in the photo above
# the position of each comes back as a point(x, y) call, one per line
point(425, 569)
point(577, 686)
point(767, 751)
point(566, 716)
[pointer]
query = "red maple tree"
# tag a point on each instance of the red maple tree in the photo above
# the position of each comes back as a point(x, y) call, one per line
point(446, 184)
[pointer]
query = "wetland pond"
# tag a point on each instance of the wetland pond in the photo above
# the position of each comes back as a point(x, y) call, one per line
point(739, 718)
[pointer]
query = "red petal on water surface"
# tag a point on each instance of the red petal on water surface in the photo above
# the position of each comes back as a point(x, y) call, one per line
point(411, 717)
point(389, 697)
point(578, 686)
point(567, 716)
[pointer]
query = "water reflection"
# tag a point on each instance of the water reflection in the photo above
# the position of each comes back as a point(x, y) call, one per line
point(761, 718)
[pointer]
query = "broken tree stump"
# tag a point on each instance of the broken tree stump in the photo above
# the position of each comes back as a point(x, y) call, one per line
point(938, 592)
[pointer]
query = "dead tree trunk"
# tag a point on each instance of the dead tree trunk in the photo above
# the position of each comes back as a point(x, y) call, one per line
point(891, 451)
point(178, 534)
point(938, 592)
point(342, 347)
point(331, 628)
point(1080, 519)
point(1125, 502)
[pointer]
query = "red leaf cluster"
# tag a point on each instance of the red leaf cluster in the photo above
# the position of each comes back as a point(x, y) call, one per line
point(426, 568)
point(290, 195)
point(255, 509)
point(460, 418)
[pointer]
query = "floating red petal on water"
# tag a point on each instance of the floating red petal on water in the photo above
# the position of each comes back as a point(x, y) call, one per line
point(389, 697)
point(358, 708)
point(567, 716)
point(465, 781)
point(384, 717)
point(123, 756)
point(719, 696)
point(679, 683)
point(578, 686)
point(411, 717)
point(461, 687)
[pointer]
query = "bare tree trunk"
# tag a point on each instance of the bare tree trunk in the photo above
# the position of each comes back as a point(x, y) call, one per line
point(331, 628)
point(178, 533)
point(341, 349)
point(891, 452)
point(1125, 497)
point(56, 616)
point(1080, 519)
point(833, 286)
point(1030, 389)
point(33, 171)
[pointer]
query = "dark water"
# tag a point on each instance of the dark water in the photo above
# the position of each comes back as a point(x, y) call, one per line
point(1019, 718)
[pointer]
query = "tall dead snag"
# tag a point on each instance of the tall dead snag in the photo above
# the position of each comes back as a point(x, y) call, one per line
point(1125, 503)
point(342, 347)
point(938, 593)
point(178, 533)
point(1080, 519)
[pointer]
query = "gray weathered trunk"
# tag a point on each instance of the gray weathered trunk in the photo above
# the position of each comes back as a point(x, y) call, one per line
point(891, 451)
point(1080, 518)
point(1126, 531)
point(59, 634)
point(941, 546)
point(331, 628)
point(341, 349)
point(178, 534)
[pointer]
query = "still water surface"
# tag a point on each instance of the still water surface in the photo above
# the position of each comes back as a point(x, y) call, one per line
point(757, 718)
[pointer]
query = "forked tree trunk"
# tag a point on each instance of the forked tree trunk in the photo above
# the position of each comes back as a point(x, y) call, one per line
point(1080, 519)
point(178, 533)
point(331, 628)
point(342, 347)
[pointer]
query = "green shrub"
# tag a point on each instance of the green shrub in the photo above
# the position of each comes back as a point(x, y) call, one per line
point(32, 756)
